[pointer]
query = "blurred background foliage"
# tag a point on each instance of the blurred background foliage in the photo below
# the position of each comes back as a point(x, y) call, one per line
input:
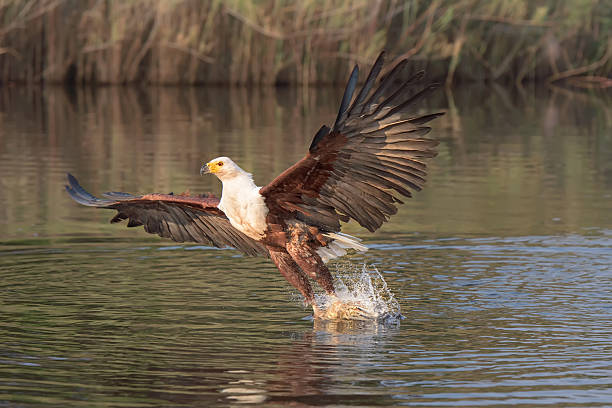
point(307, 42)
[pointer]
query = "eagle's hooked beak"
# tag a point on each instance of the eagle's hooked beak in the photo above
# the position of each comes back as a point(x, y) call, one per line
point(204, 169)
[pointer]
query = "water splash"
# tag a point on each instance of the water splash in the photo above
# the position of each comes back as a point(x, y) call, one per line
point(362, 285)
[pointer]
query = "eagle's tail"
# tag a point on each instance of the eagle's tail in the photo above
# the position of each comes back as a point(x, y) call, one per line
point(338, 246)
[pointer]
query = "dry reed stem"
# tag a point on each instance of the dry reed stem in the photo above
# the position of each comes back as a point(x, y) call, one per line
point(311, 41)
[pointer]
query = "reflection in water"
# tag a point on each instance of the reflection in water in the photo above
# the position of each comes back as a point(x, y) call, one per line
point(541, 159)
point(501, 265)
point(314, 360)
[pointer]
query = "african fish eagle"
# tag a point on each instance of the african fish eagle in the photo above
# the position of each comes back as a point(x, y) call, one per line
point(375, 151)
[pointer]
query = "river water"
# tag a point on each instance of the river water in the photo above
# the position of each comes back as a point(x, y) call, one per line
point(502, 265)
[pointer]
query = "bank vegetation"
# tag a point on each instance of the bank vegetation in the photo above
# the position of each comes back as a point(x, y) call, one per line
point(307, 42)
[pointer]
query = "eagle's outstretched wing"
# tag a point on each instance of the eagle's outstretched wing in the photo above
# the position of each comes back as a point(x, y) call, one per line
point(179, 217)
point(375, 151)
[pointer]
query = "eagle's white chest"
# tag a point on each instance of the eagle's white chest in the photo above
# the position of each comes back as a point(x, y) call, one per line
point(244, 206)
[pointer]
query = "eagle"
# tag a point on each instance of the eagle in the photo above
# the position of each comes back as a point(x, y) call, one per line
point(375, 153)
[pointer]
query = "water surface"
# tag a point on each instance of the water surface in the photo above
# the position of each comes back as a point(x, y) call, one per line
point(502, 265)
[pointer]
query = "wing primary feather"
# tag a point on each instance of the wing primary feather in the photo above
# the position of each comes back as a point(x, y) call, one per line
point(385, 83)
point(318, 137)
point(78, 198)
point(118, 196)
point(164, 229)
point(421, 120)
point(81, 196)
point(410, 101)
point(177, 228)
point(118, 218)
point(133, 223)
point(389, 102)
point(389, 156)
point(348, 95)
point(367, 86)
point(74, 184)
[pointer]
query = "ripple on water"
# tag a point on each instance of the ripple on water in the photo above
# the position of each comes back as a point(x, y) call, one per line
point(506, 296)
point(489, 322)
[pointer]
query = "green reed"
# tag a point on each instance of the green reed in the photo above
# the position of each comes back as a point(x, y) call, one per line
point(308, 42)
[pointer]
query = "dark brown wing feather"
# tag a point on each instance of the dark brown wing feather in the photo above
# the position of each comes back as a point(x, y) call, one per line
point(178, 217)
point(375, 151)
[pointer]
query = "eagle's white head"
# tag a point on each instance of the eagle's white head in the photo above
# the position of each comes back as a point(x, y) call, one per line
point(222, 167)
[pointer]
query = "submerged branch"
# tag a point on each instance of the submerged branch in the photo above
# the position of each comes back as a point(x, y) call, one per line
point(587, 68)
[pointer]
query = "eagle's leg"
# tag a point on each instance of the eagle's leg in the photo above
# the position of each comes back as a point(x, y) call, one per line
point(306, 257)
point(292, 272)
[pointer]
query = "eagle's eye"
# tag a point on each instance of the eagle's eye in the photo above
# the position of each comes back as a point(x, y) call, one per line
point(220, 164)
